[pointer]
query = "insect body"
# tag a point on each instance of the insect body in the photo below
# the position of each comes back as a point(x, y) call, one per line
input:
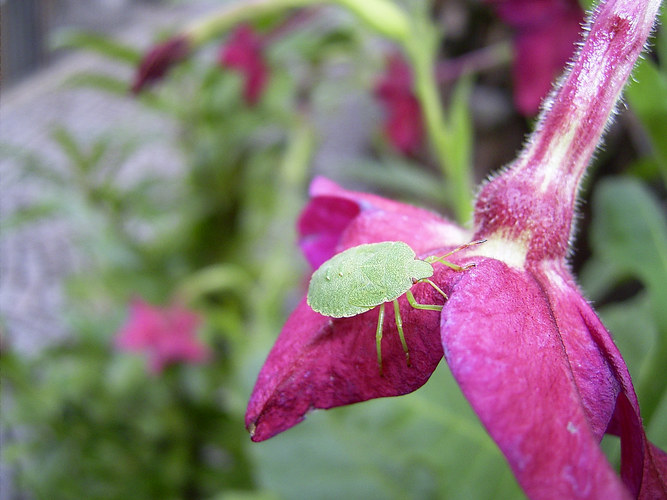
point(366, 276)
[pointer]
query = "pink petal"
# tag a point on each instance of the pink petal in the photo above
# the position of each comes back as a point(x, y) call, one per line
point(604, 382)
point(403, 121)
point(166, 335)
point(404, 126)
point(594, 373)
point(321, 225)
point(320, 362)
point(142, 327)
point(643, 465)
point(336, 219)
point(654, 484)
point(503, 346)
point(397, 80)
point(244, 51)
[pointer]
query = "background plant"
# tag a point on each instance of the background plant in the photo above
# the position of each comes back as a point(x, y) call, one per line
point(91, 422)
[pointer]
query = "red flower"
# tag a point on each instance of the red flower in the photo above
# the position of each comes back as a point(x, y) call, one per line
point(403, 121)
point(544, 35)
point(244, 51)
point(158, 60)
point(528, 351)
point(166, 335)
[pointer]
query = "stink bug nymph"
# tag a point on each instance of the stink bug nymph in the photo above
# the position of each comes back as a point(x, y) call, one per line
point(366, 276)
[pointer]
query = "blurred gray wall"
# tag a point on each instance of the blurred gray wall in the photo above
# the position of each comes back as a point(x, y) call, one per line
point(23, 28)
point(26, 25)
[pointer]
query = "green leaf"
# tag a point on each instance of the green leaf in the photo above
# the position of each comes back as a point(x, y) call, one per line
point(460, 126)
point(71, 148)
point(634, 330)
point(246, 495)
point(587, 4)
point(33, 165)
point(99, 81)
point(29, 215)
point(95, 42)
point(661, 42)
point(630, 230)
point(629, 239)
point(647, 96)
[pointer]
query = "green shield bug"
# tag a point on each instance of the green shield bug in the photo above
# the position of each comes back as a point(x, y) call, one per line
point(369, 275)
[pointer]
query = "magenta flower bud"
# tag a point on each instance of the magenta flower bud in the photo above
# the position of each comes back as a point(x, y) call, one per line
point(244, 52)
point(528, 351)
point(166, 335)
point(158, 61)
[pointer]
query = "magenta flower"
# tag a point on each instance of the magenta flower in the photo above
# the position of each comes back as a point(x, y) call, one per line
point(244, 51)
point(158, 61)
point(545, 32)
point(527, 349)
point(403, 122)
point(166, 335)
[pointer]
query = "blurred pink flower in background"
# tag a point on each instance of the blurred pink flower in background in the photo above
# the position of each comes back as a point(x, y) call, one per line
point(158, 61)
point(545, 32)
point(165, 335)
point(243, 51)
point(403, 118)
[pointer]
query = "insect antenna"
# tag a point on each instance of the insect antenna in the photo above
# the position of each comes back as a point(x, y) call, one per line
point(455, 267)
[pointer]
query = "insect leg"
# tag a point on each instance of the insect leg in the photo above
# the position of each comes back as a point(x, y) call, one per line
point(455, 267)
point(378, 337)
point(399, 327)
point(437, 288)
point(427, 307)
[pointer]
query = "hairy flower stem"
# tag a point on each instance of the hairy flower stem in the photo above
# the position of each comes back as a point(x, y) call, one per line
point(579, 113)
point(570, 127)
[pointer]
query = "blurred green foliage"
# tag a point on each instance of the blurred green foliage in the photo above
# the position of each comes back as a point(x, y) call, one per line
point(629, 241)
point(89, 422)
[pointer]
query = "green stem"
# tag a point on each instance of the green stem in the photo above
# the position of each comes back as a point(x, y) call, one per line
point(213, 24)
point(383, 16)
point(298, 156)
point(421, 49)
point(279, 272)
